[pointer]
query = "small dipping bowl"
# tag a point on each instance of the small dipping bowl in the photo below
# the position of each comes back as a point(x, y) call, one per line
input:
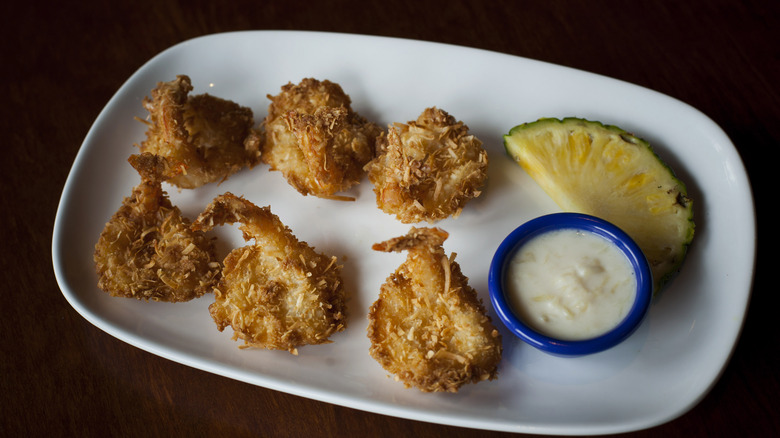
point(579, 222)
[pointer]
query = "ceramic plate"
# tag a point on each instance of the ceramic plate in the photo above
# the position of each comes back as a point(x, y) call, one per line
point(662, 371)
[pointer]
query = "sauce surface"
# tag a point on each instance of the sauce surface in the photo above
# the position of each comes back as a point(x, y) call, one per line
point(570, 284)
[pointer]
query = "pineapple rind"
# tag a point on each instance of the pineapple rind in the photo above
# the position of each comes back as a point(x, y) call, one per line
point(582, 164)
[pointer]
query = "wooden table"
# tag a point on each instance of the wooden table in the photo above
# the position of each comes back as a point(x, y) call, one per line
point(61, 376)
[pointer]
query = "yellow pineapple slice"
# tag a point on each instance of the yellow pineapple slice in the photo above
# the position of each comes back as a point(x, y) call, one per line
point(604, 171)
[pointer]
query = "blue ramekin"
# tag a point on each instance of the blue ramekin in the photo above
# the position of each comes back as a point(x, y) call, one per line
point(578, 221)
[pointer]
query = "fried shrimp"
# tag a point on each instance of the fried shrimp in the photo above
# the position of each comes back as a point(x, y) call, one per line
point(204, 136)
point(147, 250)
point(278, 293)
point(428, 327)
point(428, 169)
point(316, 140)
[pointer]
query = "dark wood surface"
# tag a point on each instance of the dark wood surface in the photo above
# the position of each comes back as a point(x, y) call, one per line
point(61, 376)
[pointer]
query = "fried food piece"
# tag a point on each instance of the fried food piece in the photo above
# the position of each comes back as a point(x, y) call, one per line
point(147, 250)
point(316, 140)
point(278, 293)
point(427, 170)
point(203, 135)
point(428, 327)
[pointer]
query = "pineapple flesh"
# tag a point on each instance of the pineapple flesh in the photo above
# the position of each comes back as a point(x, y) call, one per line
point(602, 170)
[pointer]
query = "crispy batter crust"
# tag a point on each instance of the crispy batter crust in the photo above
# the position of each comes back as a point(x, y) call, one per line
point(428, 169)
point(312, 135)
point(203, 135)
point(147, 250)
point(429, 328)
point(278, 293)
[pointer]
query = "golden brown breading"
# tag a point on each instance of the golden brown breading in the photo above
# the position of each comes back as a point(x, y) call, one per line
point(278, 293)
point(202, 134)
point(428, 327)
point(316, 140)
point(147, 250)
point(427, 170)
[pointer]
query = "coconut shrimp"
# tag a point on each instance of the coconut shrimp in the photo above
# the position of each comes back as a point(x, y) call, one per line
point(312, 135)
point(428, 169)
point(206, 137)
point(428, 327)
point(277, 293)
point(147, 250)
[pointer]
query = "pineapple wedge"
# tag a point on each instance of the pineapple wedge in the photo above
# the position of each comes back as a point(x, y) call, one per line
point(602, 170)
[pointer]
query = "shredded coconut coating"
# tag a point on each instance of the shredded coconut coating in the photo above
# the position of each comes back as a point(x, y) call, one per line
point(428, 169)
point(428, 327)
point(277, 293)
point(148, 251)
point(206, 137)
point(312, 135)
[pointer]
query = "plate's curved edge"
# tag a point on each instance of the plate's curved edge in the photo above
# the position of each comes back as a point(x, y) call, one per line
point(749, 277)
point(185, 359)
point(750, 229)
point(748, 204)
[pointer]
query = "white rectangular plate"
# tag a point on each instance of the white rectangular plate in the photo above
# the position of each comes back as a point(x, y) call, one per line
point(663, 370)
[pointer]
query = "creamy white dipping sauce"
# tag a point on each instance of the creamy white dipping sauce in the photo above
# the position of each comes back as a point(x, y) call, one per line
point(570, 284)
